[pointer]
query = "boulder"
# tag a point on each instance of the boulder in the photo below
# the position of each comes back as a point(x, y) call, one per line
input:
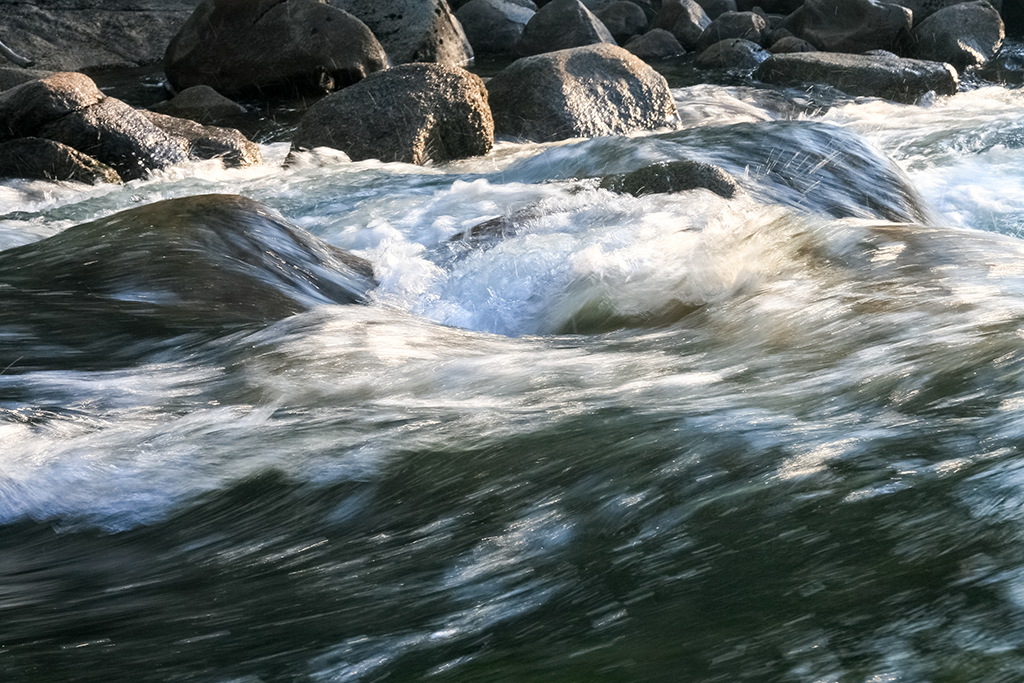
point(734, 53)
point(623, 20)
point(200, 103)
point(413, 113)
point(579, 92)
point(892, 78)
point(685, 19)
point(26, 108)
point(673, 176)
point(1005, 67)
point(746, 25)
point(965, 34)
point(655, 44)
point(209, 142)
point(202, 265)
point(11, 76)
point(560, 25)
point(76, 34)
point(714, 8)
point(41, 159)
point(413, 30)
point(770, 6)
point(923, 9)
point(119, 136)
point(853, 26)
point(494, 26)
point(246, 47)
point(789, 44)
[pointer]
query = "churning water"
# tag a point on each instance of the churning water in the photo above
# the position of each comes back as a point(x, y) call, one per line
point(667, 438)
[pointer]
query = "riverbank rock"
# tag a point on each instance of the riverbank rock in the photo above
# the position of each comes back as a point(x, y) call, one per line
point(1005, 67)
point(684, 19)
point(891, 78)
point(494, 26)
point(966, 34)
point(729, 25)
point(853, 26)
point(209, 142)
point(655, 44)
point(923, 9)
point(715, 8)
point(413, 30)
point(72, 35)
point(11, 76)
point(202, 104)
point(246, 47)
point(26, 108)
point(788, 44)
point(672, 176)
point(735, 53)
point(119, 136)
point(204, 265)
point(413, 113)
point(560, 25)
point(580, 92)
point(623, 20)
point(41, 159)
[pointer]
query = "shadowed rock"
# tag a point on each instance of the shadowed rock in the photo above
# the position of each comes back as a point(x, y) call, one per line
point(494, 26)
point(735, 53)
point(560, 25)
point(413, 113)
point(967, 34)
point(245, 47)
point(581, 92)
point(26, 108)
point(923, 9)
point(655, 44)
point(684, 19)
point(853, 26)
point(206, 264)
point(202, 104)
point(413, 30)
point(746, 25)
point(48, 160)
point(623, 20)
point(892, 78)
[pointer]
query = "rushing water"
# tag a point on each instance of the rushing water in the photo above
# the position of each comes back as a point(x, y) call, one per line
point(668, 438)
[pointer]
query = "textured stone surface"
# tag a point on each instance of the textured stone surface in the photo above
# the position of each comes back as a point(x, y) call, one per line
point(41, 159)
point(892, 78)
point(562, 24)
point(745, 25)
point(246, 47)
point(413, 30)
point(672, 176)
point(923, 9)
point(413, 113)
point(494, 26)
point(580, 92)
point(852, 26)
point(655, 44)
point(200, 103)
point(685, 19)
point(623, 20)
point(734, 53)
point(209, 142)
point(966, 34)
point(26, 108)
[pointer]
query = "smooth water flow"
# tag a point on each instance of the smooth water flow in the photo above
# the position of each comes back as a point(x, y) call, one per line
point(673, 437)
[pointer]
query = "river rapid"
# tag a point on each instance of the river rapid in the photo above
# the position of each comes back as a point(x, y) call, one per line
point(663, 438)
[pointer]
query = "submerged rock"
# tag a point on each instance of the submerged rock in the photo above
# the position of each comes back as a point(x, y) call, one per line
point(672, 176)
point(252, 46)
point(581, 92)
point(891, 78)
point(206, 264)
point(202, 104)
point(413, 113)
point(41, 159)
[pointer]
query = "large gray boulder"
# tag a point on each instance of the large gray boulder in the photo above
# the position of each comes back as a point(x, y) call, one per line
point(413, 30)
point(655, 44)
point(26, 108)
point(853, 26)
point(494, 26)
point(684, 19)
point(580, 92)
point(923, 9)
point(413, 113)
point(119, 136)
point(623, 20)
point(209, 142)
point(562, 24)
point(41, 159)
point(745, 25)
point(71, 35)
point(245, 47)
point(965, 34)
point(892, 78)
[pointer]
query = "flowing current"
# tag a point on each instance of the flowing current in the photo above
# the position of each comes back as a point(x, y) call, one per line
point(673, 437)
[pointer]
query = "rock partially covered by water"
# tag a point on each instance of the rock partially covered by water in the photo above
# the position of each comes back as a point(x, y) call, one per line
point(729, 25)
point(494, 26)
point(735, 53)
point(967, 34)
point(684, 19)
point(208, 264)
point(581, 92)
point(245, 47)
point(672, 176)
point(209, 142)
point(853, 26)
point(892, 78)
point(48, 160)
point(26, 108)
point(413, 113)
point(413, 30)
point(560, 25)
